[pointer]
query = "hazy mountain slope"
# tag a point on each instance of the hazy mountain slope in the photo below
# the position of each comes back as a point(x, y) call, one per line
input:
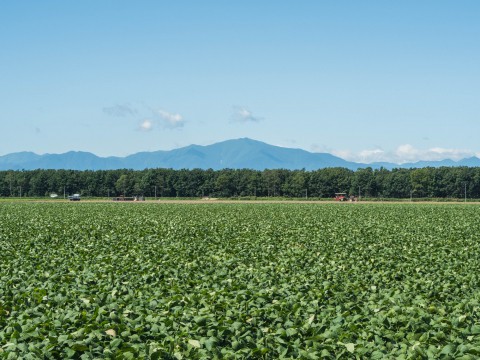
point(233, 154)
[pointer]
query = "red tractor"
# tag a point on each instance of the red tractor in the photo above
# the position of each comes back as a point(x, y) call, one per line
point(341, 196)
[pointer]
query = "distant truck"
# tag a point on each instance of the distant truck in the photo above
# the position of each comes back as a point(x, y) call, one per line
point(74, 197)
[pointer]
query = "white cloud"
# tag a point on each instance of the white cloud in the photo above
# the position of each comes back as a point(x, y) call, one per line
point(146, 125)
point(170, 120)
point(376, 154)
point(344, 154)
point(146, 117)
point(244, 115)
point(364, 156)
point(405, 153)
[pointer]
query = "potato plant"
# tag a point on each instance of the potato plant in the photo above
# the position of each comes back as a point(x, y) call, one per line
point(239, 281)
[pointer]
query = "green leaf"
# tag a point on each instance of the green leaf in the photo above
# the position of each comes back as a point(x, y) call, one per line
point(70, 352)
point(291, 331)
point(210, 343)
point(377, 355)
point(128, 355)
point(115, 343)
point(62, 338)
point(448, 349)
point(194, 343)
point(325, 353)
point(79, 347)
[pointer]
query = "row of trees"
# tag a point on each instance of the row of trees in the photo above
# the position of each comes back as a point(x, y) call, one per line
point(444, 182)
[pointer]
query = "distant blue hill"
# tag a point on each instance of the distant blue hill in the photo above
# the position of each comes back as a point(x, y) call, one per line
point(233, 154)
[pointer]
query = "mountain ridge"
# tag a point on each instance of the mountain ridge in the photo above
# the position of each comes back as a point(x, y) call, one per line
point(234, 154)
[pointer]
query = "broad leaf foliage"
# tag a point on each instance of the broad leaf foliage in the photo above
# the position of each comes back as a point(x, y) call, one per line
point(237, 281)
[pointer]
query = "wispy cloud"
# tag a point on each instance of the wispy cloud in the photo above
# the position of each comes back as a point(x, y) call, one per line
point(148, 118)
point(120, 110)
point(405, 153)
point(244, 115)
point(170, 120)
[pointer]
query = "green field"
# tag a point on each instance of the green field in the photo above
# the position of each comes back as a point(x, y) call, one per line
point(239, 281)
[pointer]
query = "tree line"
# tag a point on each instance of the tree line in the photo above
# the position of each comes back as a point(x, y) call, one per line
point(443, 182)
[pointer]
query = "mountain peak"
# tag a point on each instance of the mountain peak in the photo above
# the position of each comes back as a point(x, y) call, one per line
point(241, 153)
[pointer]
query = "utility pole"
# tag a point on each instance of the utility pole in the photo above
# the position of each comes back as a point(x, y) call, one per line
point(155, 192)
point(306, 194)
point(64, 193)
point(359, 193)
point(465, 191)
point(20, 191)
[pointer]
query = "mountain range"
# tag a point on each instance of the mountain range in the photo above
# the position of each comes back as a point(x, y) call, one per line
point(233, 154)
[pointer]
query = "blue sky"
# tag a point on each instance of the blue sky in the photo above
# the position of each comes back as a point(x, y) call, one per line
point(365, 80)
